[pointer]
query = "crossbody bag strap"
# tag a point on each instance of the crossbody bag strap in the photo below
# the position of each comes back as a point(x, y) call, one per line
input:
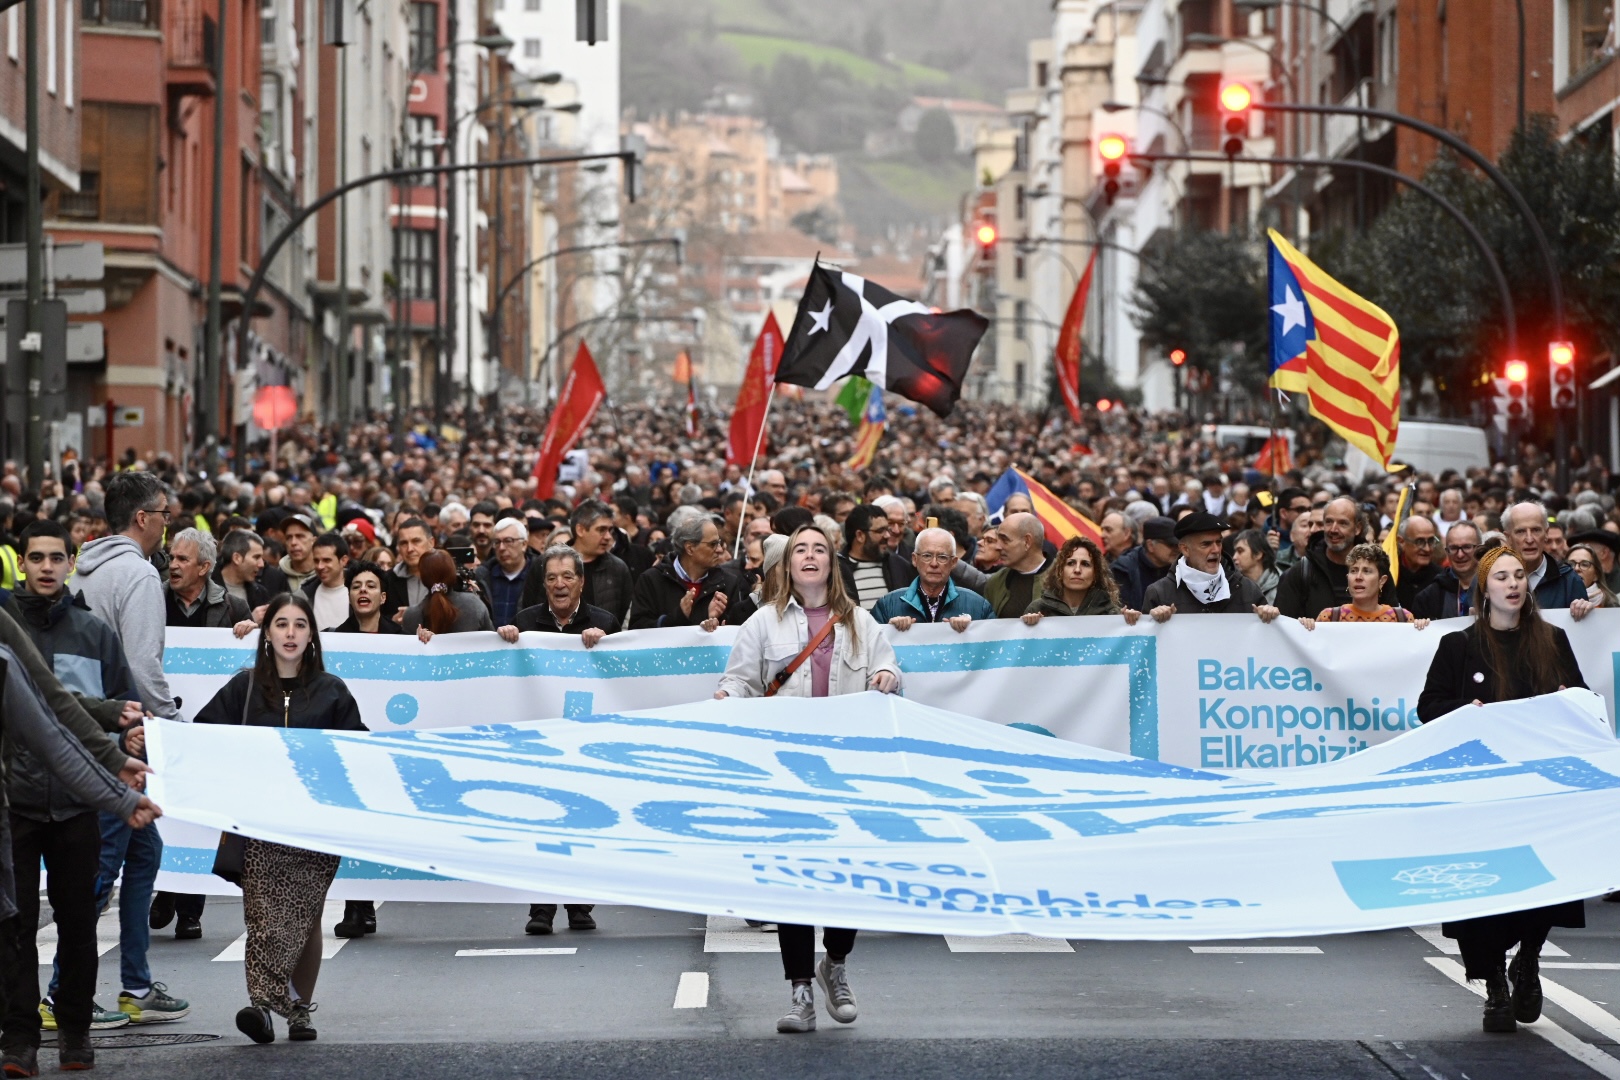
point(793, 665)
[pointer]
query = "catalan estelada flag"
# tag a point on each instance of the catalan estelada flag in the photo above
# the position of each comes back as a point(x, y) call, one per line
point(1339, 349)
point(1060, 520)
point(873, 421)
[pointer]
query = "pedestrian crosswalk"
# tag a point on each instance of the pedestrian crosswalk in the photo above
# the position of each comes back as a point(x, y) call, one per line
point(331, 944)
point(106, 936)
point(1432, 935)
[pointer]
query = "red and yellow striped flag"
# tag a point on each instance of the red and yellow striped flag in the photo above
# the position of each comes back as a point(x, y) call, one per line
point(1353, 362)
point(1060, 520)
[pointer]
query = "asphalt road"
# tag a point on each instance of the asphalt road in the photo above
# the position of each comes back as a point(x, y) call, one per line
point(675, 995)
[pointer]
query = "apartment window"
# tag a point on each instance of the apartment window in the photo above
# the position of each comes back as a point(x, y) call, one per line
point(245, 222)
point(118, 157)
point(1201, 101)
point(1018, 268)
point(1019, 381)
point(424, 36)
point(1020, 317)
point(267, 24)
point(531, 48)
point(86, 202)
point(120, 12)
point(1042, 71)
point(1197, 17)
point(424, 136)
point(418, 264)
point(270, 117)
point(1237, 210)
point(1589, 22)
point(1200, 209)
point(1388, 54)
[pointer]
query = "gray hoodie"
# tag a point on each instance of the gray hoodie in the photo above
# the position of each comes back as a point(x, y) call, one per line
point(123, 590)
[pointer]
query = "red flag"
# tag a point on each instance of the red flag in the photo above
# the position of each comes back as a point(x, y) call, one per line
point(683, 368)
point(582, 394)
point(1273, 457)
point(748, 418)
point(1068, 342)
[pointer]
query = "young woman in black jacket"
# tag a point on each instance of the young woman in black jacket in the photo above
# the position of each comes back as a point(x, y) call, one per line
point(284, 888)
point(1509, 652)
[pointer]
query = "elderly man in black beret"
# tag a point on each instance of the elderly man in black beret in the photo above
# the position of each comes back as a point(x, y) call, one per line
point(1146, 563)
point(1199, 584)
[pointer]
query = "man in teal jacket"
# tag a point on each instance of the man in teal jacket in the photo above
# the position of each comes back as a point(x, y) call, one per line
point(933, 597)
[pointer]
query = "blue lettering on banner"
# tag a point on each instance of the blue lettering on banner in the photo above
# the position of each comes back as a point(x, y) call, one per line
point(577, 703)
point(1434, 879)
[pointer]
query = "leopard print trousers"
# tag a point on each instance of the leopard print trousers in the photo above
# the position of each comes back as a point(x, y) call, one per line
point(283, 894)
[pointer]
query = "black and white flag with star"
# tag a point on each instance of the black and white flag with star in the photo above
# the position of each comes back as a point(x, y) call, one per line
point(850, 326)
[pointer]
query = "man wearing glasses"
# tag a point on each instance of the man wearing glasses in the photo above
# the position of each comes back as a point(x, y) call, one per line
point(869, 564)
point(504, 578)
point(691, 587)
point(933, 597)
point(1418, 541)
point(1447, 596)
point(117, 581)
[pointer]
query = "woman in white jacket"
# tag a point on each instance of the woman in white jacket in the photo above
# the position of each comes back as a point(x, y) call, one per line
point(852, 658)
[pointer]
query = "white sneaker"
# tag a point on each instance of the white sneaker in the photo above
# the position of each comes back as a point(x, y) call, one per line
point(802, 1016)
point(834, 980)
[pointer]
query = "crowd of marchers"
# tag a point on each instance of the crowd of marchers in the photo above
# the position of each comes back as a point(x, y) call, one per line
point(373, 531)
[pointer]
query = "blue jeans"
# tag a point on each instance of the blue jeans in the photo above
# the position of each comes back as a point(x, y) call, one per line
point(138, 852)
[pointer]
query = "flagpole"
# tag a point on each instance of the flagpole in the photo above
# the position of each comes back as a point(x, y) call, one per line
point(1273, 396)
point(748, 486)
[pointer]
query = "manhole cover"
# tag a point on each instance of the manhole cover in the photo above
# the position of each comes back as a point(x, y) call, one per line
point(132, 1040)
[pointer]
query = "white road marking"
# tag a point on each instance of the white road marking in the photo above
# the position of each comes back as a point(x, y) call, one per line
point(331, 944)
point(692, 992)
point(725, 934)
point(1587, 1012)
point(106, 937)
point(1278, 950)
point(1581, 1051)
point(516, 952)
point(1432, 935)
point(1008, 943)
point(1579, 967)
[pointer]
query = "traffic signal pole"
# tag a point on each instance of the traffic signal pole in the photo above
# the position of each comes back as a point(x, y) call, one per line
point(33, 344)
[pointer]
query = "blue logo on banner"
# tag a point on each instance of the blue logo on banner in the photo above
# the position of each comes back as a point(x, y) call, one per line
point(1434, 879)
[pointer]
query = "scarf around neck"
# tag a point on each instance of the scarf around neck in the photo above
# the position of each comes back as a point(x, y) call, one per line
point(1207, 588)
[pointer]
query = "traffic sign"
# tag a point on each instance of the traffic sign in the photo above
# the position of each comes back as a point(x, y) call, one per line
point(82, 301)
point(64, 262)
point(129, 416)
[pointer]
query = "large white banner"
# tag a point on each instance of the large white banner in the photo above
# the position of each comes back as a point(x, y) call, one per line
point(881, 813)
point(1211, 691)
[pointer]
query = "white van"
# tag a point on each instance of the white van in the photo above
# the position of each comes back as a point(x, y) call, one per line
point(1430, 446)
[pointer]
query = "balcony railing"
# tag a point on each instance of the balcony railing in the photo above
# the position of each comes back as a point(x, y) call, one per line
point(119, 12)
point(189, 40)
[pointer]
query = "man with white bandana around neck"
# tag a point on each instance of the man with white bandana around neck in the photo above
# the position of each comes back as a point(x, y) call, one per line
point(1199, 584)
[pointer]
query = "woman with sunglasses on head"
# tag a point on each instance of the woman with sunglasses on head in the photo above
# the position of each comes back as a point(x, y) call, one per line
point(284, 888)
point(809, 638)
point(1509, 652)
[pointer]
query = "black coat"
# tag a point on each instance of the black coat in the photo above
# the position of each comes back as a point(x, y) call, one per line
point(1461, 656)
point(351, 625)
point(1439, 598)
point(1135, 572)
point(1242, 596)
point(588, 617)
point(658, 593)
point(1414, 582)
point(323, 703)
point(1452, 684)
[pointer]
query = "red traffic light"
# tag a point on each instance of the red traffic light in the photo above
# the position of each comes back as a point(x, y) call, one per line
point(1112, 147)
point(1561, 352)
point(1236, 98)
point(985, 234)
point(1178, 356)
point(1516, 371)
point(1104, 405)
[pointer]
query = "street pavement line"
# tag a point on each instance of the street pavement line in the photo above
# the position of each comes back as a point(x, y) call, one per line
point(516, 952)
point(725, 934)
point(1008, 943)
point(1432, 935)
point(1579, 967)
point(106, 936)
point(1279, 950)
point(692, 992)
point(331, 944)
point(1580, 1050)
point(1583, 1009)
